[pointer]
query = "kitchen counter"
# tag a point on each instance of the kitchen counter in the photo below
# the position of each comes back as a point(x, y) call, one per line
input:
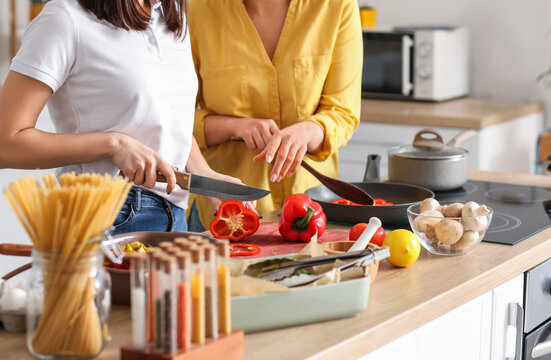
point(400, 300)
point(463, 113)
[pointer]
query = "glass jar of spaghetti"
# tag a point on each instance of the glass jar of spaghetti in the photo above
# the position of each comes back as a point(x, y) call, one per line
point(68, 304)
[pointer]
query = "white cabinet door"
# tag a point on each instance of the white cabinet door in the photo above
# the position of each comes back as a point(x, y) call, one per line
point(508, 302)
point(463, 333)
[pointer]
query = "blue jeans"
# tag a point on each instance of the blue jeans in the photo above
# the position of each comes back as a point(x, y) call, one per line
point(194, 222)
point(146, 211)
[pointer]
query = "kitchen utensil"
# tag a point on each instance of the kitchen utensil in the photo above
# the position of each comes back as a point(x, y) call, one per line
point(401, 195)
point(342, 188)
point(17, 271)
point(429, 162)
point(304, 279)
point(282, 267)
point(367, 234)
point(206, 186)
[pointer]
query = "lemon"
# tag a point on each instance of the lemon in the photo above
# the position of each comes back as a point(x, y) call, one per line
point(404, 247)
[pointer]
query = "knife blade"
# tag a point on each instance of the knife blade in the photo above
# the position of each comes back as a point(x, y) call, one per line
point(206, 186)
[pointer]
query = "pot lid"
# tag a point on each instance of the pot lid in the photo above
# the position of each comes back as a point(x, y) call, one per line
point(429, 145)
point(422, 153)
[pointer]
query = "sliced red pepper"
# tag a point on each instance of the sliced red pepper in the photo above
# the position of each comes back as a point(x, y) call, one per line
point(249, 250)
point(343, 202)
point(376, 201)
point(301, 218)
point(379, 201)
point(234, 221)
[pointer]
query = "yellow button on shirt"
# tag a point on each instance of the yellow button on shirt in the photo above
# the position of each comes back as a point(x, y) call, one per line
point(315, 75)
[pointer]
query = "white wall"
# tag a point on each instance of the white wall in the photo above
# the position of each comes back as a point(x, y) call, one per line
point(12, 231)
point(511, 40)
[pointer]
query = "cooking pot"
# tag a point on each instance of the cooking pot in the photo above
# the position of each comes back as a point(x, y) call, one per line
point(430, 163)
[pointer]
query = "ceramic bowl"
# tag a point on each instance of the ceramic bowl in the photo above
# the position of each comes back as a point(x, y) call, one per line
point(14, 321)
point(336, 247)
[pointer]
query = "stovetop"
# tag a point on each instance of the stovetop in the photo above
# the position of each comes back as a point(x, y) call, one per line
point(519, 211)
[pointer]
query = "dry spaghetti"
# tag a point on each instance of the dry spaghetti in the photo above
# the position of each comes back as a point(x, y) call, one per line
point(65, 219)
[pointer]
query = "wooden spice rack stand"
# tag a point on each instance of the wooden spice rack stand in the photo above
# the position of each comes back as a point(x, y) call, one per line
point(227, 347)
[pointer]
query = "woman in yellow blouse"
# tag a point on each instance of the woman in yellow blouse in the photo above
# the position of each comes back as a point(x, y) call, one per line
point(282, 76)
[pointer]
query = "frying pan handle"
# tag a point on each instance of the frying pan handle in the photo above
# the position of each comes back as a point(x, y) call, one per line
point(434, 142)
point(372, 169)
point(16, 249)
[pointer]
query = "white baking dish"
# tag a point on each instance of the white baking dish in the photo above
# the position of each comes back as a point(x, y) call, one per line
point(302, 306)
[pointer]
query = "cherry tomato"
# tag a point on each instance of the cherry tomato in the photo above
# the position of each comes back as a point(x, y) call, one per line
point(378, 237)
point(356, 231)
point(359, 228)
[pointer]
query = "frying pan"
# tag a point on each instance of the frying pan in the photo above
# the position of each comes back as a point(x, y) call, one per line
point(402, 195)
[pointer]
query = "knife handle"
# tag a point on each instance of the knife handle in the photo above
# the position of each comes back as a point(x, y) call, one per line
point(183, 179)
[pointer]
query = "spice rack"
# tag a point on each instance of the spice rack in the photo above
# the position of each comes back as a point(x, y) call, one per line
point(227, 347)
point(180, 302)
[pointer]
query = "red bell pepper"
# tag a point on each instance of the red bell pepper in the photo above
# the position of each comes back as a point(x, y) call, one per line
point(301, 218)
point(234, 221)
point(243, 250)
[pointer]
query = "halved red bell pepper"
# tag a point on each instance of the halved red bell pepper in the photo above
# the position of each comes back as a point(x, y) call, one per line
point(301, 218)
point(234, 221)
point(243, 250)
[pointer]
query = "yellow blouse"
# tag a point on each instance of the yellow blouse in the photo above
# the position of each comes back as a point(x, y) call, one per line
point(315, 75)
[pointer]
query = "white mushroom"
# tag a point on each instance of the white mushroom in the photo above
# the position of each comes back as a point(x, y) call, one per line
point(453, 210)
point(427, 220)
point(468, 239)
point(429, 204)
point(448, 231)
point(483, 210)
point(472, 220)
point(469, 209)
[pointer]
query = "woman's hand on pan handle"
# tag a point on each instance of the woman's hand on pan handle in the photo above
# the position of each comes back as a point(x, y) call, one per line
point(140, 164)
point(289, 146)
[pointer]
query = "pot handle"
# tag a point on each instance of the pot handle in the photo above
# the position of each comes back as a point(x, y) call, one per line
point(434, 142)
point(372, 169)
point(460, 138)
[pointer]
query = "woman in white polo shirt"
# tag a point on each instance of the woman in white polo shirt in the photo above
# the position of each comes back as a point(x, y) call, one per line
point(120, 84)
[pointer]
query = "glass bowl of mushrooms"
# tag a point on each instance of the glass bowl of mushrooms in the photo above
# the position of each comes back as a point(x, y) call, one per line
point(449, 228)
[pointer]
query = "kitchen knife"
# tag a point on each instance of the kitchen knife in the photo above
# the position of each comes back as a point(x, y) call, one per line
point(203, 185)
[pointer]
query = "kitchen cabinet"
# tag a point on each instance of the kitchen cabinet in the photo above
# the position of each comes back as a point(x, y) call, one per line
point(463, 333)
point(487, 327)
point(507, 319)
point(505, 141)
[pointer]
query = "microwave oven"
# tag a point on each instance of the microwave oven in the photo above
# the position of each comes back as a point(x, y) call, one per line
point(416, 63)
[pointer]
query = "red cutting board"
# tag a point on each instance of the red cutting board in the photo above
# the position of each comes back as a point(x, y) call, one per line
point(270, 242)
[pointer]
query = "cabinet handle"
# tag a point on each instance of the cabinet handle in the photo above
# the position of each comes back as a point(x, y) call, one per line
point(541, 349)
point(407, 44)
point(513, 332)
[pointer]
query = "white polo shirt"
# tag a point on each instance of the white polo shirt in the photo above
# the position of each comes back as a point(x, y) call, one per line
point(139, 83)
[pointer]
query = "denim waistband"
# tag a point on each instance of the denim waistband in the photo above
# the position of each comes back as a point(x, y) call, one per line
point(140, 197)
